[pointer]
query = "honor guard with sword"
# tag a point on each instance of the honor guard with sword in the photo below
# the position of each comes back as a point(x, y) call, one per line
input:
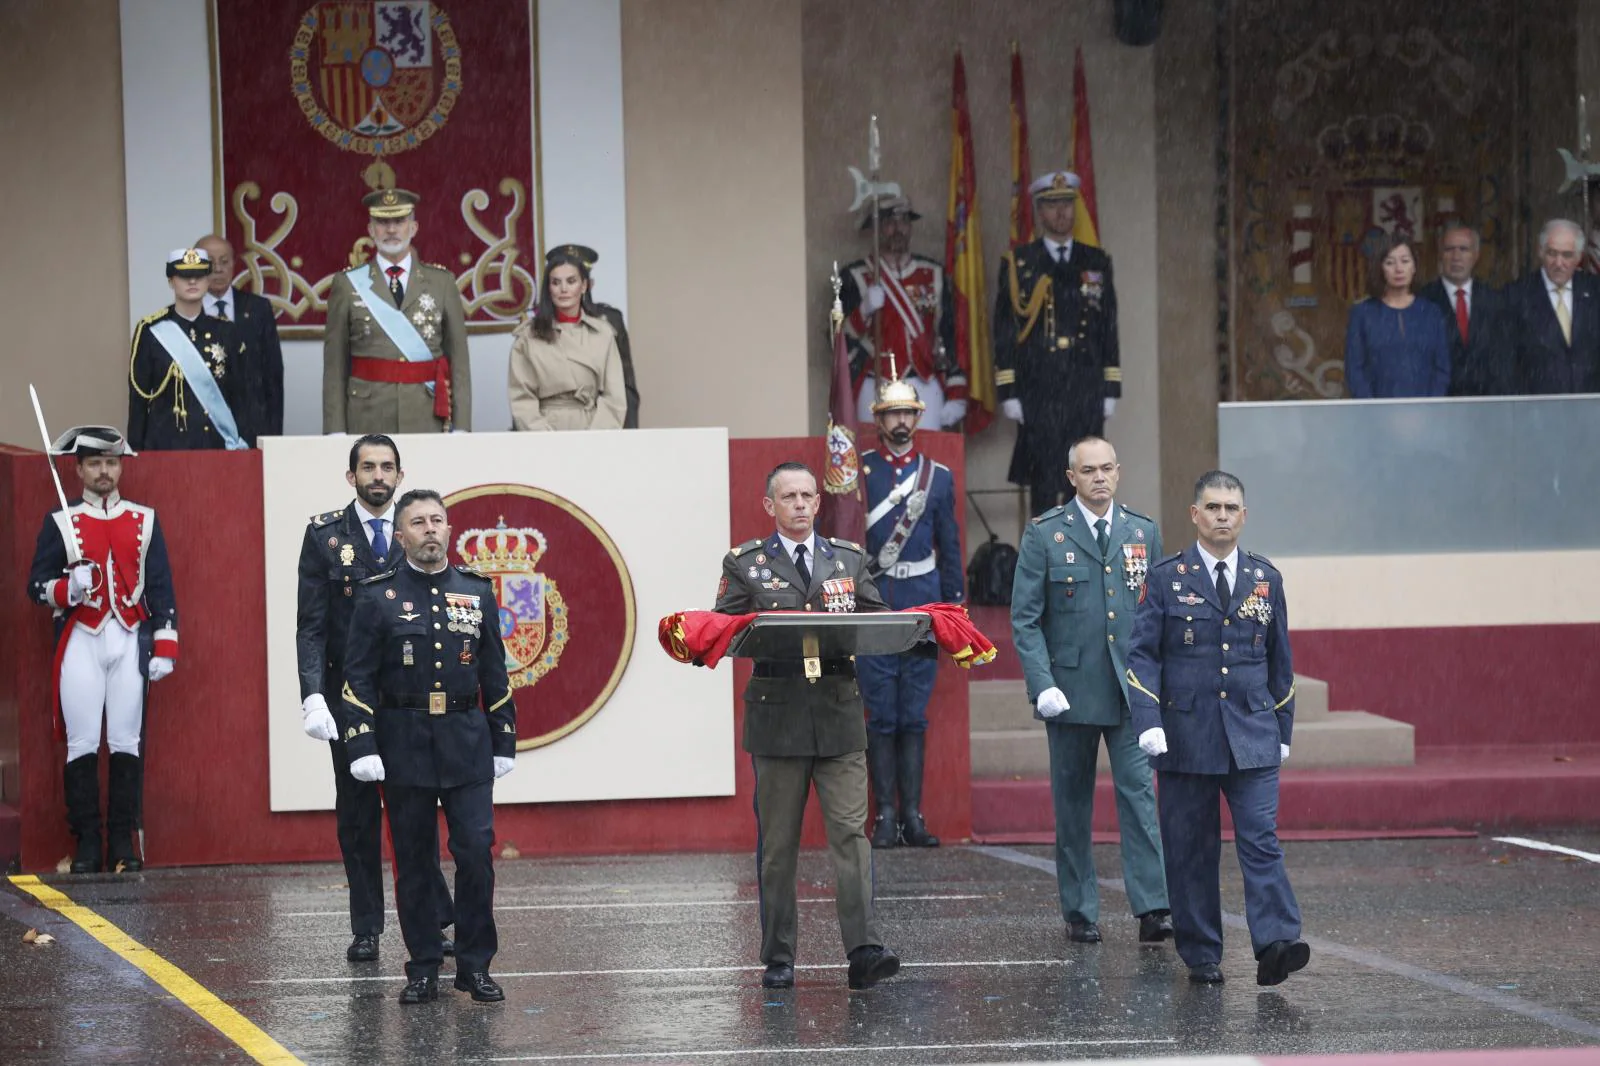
point(100, 565)
point(341, 549)
point(394, 355)
point(914, 548)
point(188, 383)
point(896, 301)
point(426, 709)
point(803, 727)
point(1057, 368)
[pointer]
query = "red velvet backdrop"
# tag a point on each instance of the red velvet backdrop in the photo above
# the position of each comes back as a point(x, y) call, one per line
point(206, 796)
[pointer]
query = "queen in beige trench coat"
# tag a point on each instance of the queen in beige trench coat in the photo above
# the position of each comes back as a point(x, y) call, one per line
point(566, 369)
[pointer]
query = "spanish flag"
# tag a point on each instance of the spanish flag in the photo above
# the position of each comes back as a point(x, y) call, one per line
point(963, 261)
point(1087, 226)
point(1021, 165)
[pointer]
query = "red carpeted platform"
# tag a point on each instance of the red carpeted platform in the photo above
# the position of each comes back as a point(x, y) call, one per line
point(1496, 788)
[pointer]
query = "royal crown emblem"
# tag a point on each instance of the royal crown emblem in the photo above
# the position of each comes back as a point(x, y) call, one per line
point(533, 615)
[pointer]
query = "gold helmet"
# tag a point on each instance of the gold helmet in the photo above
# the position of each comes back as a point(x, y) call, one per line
point(897, 395)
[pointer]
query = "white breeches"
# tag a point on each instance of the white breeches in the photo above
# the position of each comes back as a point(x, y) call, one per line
point(100, 673)
point(930, 393)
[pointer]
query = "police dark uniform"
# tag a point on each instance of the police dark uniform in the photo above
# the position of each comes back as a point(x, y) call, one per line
point(426, 689)
point(915, 550)
point(1056, 350)
point(1219, 680)
point(164, 414)
point(801, 730)
point(334, 557)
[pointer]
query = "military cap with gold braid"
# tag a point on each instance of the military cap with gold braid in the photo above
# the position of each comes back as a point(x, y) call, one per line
point(390, 203)
point(1056, 185)
point(188, 263)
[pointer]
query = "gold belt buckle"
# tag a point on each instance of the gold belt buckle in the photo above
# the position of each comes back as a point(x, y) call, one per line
point(808, 645)
point(436, 703)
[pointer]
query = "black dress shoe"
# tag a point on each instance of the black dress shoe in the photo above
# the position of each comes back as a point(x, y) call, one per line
point(870, 964)
point(481, 985)
point(1155, 926)
point(447, 946)
point(1280, 959)
point(422, 990)
point(362, 949)
point(1084, 932)
point(1207, 973)
point(778, 975)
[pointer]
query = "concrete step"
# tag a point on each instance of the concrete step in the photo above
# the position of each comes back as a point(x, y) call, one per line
point(1352, 738)
point(1003, 704)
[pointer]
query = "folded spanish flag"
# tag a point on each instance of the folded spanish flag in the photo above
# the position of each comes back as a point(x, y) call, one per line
point(702, 637)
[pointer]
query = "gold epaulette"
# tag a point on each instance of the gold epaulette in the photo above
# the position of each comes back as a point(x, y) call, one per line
point(1028, 312)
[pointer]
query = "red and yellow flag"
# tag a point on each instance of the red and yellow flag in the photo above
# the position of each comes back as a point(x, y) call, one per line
point(963, 261)
point(1087, 226)
point(1021, 165)
point(844, 507)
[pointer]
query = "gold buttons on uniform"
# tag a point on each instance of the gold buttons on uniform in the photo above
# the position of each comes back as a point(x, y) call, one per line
point(440, 647)
point(1108, 569)
point(1222, 695)
point(436, 608)
point(434, 591)
point(808, 607)
point(1112, 637)
point(438, 684)
point(1224, 669)
point(1111, 592)
point(1224, 647)
point(1225, 621)
point(436, 625)
point(1188, 618)
point(440, 666)
point(1111, 614)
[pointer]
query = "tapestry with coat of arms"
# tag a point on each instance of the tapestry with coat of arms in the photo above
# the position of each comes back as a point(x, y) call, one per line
point(318, 103)
point(1346, 123)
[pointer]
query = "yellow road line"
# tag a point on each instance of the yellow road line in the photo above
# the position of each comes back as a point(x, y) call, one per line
point(191, 993)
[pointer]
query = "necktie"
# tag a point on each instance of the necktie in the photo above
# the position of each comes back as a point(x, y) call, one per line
point(380, 543)
point(1102, 536)
point(1461, 313)
point(222, 310)
point(1224, 593)
point(395, 287)
point(800, 565)
point(1563, 315)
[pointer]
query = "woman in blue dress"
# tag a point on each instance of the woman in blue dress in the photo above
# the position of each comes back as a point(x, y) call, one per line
point(1395, 345)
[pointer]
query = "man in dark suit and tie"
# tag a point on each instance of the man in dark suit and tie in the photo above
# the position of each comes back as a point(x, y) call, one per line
point(258, 334)
point(1557, 315)
point(1481, 362)
point(1211, 689)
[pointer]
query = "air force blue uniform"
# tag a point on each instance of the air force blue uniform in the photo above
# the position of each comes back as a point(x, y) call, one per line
point(1219, 680)
point(896, 688)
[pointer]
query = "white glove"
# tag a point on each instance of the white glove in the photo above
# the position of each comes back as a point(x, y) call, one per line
point(1111, 406)
point(1051, 702)
point(1153, 741)
point(872, 300)
point(367, 768)
point(80, 582)
point(316, 719)
point(503, 765)
point(160, 666)
point(1283, 753)
point(1012, 409)
point(954, 411)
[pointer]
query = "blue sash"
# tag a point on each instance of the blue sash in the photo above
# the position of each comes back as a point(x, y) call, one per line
point(390, 318)
point(198, 375)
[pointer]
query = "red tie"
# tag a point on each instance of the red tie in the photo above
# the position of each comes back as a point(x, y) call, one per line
point(1461, 313)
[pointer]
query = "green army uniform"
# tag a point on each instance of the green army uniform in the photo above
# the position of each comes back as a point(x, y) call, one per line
point(1072, 613)
point(801, 731)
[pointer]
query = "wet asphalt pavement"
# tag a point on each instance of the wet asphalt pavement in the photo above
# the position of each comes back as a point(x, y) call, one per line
point(1417, 945)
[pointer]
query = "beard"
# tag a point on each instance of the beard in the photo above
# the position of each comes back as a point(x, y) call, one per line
point(374, 495)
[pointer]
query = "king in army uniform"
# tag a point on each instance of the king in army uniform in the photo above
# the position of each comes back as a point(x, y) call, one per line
point(915, 551)
point(1056, 358)
point(187, 381)
point(803, 730)
point(1080, 575)
point(394, 354)
point(427, 710)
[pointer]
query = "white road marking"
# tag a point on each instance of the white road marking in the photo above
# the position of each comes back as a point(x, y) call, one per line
point(641, 905)
point(662, 971)
point(1539, 845)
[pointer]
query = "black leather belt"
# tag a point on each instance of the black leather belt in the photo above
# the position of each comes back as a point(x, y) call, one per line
point(844, 667)
point(432, 702)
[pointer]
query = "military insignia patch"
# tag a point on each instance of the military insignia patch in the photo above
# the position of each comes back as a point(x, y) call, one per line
point(347, 555)
point(1072, 557)
point(333, 542)
point(1182, 569)
point(1138, 534)
point(1191, 600)
point(1060, 536)
point(722, 587)
point(388, 593)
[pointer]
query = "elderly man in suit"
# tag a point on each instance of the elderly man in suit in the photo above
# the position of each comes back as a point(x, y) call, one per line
point(1481, 361)
point(260, 351)
point(1212, 689)
point(1080, 575)
point(1557, 316)
point(394, 354)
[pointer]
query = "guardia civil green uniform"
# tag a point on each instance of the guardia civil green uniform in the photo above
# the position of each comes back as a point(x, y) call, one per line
point(1072, 614)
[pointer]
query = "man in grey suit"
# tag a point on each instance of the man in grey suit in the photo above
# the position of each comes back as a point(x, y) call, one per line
point(1080, 576)
point(803, 730)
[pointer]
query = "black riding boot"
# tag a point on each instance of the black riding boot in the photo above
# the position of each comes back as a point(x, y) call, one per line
point(912, 829)
point(880, 753)
point(124, 810)
point(81, 782)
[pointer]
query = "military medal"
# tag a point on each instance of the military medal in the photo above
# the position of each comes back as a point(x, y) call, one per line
point(406, 657)
point(1188, 636)
point(839, 595)
point(466, 653)
point(760, 558)
point(347, 557)
point(1072, 557)
point(333, 542)
point(766, 575)
point(389, 593)
point(1060, 536)
point(1135, 564)
point(754, 573)
point(408, 606)
point(1182, 569)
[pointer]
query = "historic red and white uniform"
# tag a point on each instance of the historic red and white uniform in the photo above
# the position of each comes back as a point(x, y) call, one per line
point(917, 326)
point(98, 654)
